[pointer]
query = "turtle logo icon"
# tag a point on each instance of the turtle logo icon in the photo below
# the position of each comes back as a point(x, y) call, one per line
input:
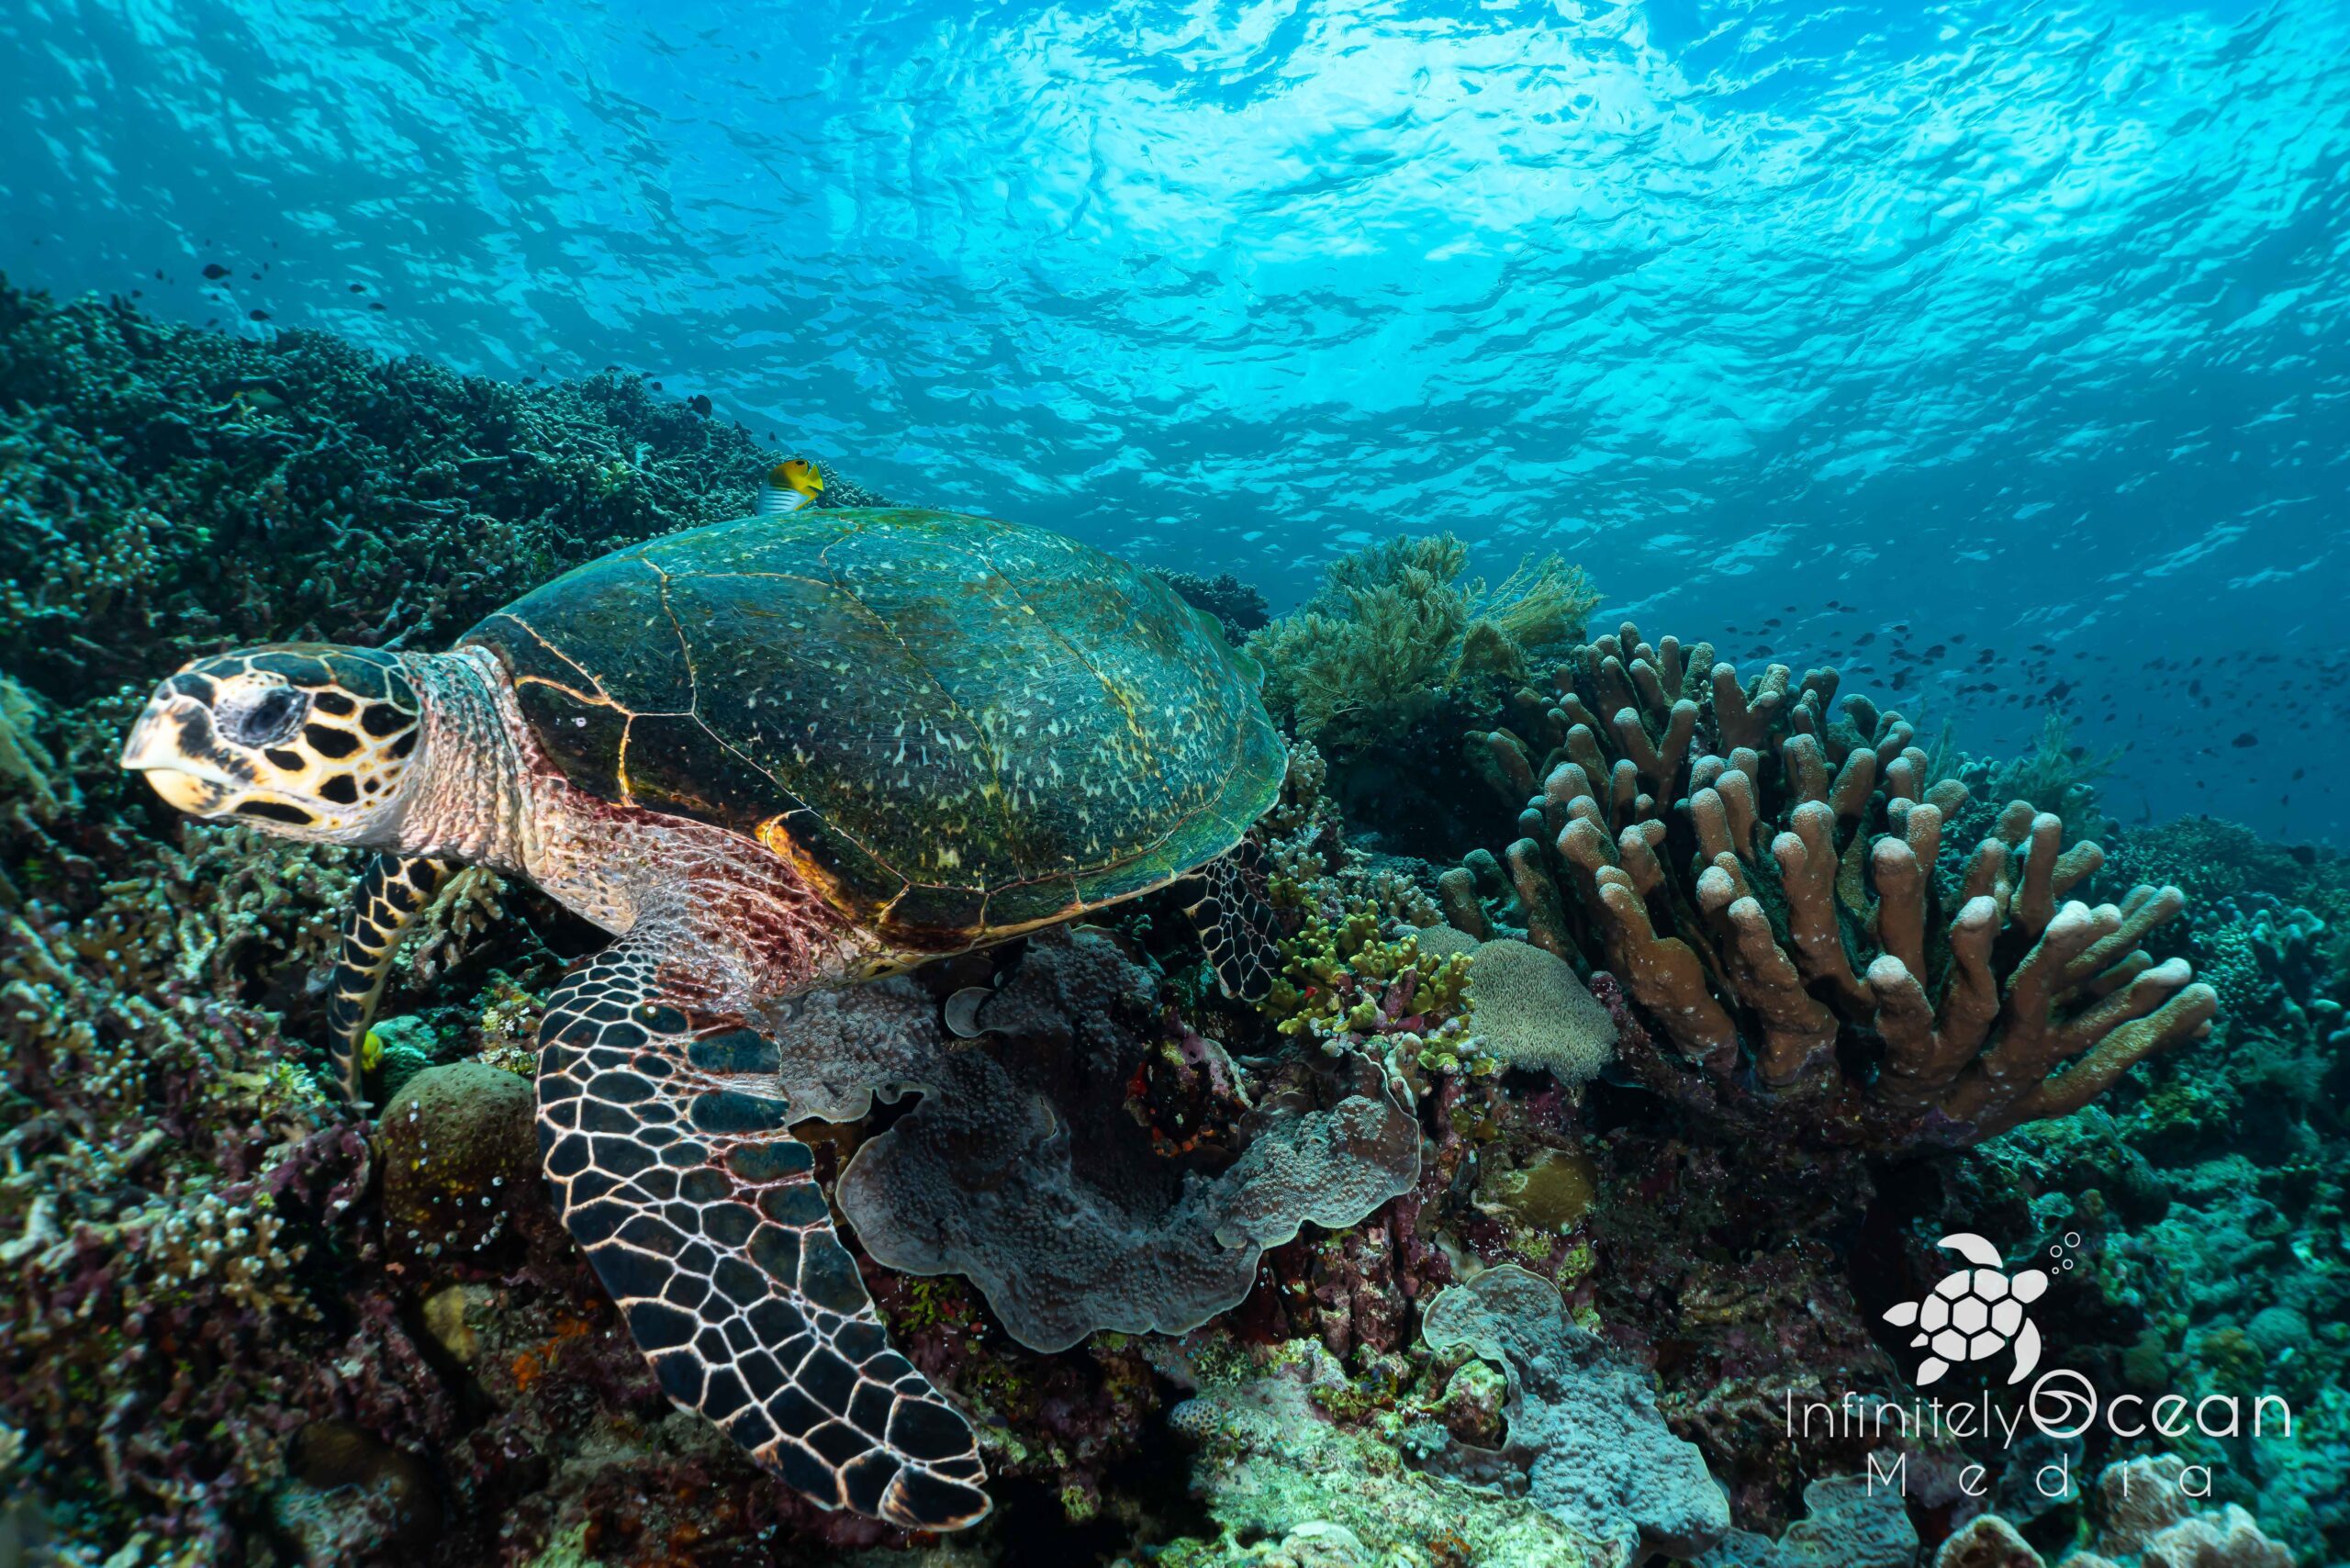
point(1974, 1313)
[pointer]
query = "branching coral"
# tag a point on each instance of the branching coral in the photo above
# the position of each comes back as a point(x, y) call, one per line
point(1792, 944)
point(1393, 633)
point(182, 489)
point(25, 763)
point(1345, 981)
point(1238, 607)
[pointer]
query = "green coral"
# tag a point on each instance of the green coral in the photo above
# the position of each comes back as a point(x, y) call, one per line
point(2055, 776)
point(1345, 979)
point(1394, 633)
point(1287, 1479)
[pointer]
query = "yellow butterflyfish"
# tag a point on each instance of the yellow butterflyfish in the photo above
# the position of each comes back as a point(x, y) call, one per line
point(789, 486)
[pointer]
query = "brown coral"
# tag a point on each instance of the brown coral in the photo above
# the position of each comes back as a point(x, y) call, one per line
point(1793, 949)
point(2147, 1520)
point(1532, 1010)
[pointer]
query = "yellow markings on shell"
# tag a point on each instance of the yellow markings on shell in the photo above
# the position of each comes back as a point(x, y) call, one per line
point(823, 883)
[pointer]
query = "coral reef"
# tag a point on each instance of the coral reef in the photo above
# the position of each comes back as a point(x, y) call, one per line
point(2148, 1519)
point(1596, 1454)
point(1022, 1171)
point(1767, 889)
point(1462, 1290)
point(186, 490)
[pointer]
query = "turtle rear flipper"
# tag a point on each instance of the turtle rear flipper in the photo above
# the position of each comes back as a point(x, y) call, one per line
point(2027, 1351)
point(664, 1138)
point(391, 892)
point(1226, 903)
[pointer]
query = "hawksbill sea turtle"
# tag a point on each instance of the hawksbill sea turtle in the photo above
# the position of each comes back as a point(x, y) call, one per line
point(1974, 1313)
point(766, 755)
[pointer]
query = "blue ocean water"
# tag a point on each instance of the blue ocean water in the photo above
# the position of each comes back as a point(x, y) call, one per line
point(1836, 332)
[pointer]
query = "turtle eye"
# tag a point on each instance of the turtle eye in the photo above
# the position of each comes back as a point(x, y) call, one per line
point(267, 720)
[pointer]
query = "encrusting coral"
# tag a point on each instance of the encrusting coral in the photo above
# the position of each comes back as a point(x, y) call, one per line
point(1583, 1427)
point(1792, 945)
point(1848, 1522)
point(1024, 1170)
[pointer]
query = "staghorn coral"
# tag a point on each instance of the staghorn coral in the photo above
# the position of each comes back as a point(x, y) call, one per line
point(1791, 944)
point(1393, 633)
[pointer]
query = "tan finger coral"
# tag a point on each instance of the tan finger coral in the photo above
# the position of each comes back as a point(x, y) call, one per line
point(1790, 943)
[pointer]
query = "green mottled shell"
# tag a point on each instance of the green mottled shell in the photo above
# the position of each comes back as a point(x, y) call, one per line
point(956, 728)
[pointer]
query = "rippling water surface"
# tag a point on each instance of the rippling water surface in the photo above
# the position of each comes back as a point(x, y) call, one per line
point(2012, 324)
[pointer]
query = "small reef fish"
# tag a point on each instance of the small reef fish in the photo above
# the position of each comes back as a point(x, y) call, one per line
point(788, 486)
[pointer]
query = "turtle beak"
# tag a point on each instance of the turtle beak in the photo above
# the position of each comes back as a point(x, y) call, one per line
point(165, 745)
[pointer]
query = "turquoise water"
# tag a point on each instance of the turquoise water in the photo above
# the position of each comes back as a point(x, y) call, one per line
point(2015, 326)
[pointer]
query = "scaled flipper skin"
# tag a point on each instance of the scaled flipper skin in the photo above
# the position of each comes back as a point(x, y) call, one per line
point(1227, 905)
point(391, 890)
point(664, 1135)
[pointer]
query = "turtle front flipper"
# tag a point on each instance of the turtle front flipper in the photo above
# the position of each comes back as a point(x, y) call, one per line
point(1236, 926)
point(391, 890)
point(664, 1137)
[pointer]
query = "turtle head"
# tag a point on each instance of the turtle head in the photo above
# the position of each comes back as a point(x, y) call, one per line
point(302, 739)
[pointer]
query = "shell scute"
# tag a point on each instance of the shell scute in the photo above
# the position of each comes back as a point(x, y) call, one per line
point(672, 763)
point(584, 739)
